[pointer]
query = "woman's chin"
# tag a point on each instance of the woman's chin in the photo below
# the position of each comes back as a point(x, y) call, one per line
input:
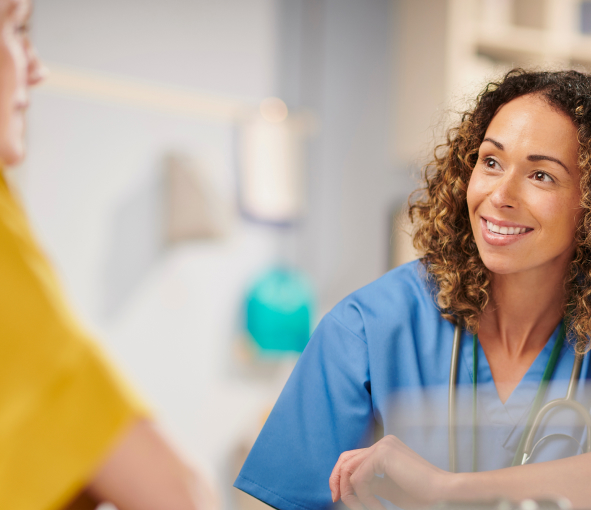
point(502, 266)
point(12, 154)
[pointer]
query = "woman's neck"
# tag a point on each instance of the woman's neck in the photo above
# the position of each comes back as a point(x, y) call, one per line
point(523, 311)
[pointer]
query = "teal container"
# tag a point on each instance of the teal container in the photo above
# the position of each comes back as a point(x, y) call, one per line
point(279, 311)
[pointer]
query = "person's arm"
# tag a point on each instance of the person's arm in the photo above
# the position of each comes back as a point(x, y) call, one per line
point(557, 478)
point(143, 472)
point(409, 480)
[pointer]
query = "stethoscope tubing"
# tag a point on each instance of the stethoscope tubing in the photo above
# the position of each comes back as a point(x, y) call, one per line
point(452, 398)
point(568, 401)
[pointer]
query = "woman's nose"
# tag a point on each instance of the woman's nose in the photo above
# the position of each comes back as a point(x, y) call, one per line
point(506, 192)
point(36, 71)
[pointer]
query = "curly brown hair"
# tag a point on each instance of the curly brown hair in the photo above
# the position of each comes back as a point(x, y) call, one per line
point(443, 234)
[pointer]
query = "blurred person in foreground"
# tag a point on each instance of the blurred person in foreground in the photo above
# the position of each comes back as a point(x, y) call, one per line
point(72, 434)
point(503, 223)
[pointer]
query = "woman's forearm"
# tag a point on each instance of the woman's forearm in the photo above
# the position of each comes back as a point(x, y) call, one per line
point(558, 478)
point(143, 472)
point(408, 480)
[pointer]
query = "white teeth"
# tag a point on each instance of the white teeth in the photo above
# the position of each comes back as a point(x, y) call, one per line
point(492, 227)
point(504, 230)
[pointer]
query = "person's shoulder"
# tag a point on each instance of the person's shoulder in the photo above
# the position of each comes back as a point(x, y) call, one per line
point(404, 285)
point(411, 277)
point(403, 292)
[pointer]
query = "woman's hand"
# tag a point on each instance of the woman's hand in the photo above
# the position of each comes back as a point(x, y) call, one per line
point(388, 469)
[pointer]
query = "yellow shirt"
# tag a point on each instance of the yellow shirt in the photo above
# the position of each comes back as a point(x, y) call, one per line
point(62, 407)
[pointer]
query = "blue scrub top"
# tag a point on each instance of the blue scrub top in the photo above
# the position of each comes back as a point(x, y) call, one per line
point(383, 355)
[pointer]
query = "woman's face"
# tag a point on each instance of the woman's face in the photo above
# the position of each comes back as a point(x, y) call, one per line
point(523, 195)
point(19, 70)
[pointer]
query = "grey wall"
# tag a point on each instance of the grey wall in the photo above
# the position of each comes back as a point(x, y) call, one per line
point(223, 45)
point(338, 60)
point(335, 57)
point(89, 158)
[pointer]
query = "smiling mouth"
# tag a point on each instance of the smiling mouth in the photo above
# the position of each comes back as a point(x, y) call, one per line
point(505, 231)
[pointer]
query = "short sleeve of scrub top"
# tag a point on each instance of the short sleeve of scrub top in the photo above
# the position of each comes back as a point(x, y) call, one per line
point(62, 405)
point(383, 355)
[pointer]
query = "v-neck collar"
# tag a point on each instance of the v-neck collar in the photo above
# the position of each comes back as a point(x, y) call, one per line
point(512, 412)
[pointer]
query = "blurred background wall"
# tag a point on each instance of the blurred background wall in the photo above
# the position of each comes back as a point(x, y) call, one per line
point(137, 82)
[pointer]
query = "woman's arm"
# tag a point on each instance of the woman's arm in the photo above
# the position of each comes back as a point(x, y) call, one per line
point(143, 472)
point(558, 478)
point(409, 480)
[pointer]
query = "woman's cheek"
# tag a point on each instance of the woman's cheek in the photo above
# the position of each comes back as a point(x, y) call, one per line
point(477, 191)
point(556, 219)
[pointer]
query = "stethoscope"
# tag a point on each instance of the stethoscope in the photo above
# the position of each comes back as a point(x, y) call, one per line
point(537, 413)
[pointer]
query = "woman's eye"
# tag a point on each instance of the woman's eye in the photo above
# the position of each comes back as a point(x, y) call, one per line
point(542, 177)
point(490, 163)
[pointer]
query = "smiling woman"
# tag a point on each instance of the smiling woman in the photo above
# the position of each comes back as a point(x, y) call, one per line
point(521, 154)
point(520, 181)
point(511, 260)
point(503, 223)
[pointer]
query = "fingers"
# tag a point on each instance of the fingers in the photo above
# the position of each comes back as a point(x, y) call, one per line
point(361, 480)
point(334, 482)
point(365, 491)
point(340, 479)
point(390, 491)
point(350, 499)
point(348, 468)
point(383, 488)
point(389, 469)
point(368, 502)
point(354, 480)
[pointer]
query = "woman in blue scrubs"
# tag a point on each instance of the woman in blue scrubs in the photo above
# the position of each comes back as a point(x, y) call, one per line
point(504, 226)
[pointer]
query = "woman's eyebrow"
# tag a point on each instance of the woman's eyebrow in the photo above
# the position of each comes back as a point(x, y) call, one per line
point(540, 157)
point(498, 145)
point(533, 157)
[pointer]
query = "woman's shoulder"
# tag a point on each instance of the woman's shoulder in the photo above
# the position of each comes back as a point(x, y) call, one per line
point(406, 286)
point(402, 294)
